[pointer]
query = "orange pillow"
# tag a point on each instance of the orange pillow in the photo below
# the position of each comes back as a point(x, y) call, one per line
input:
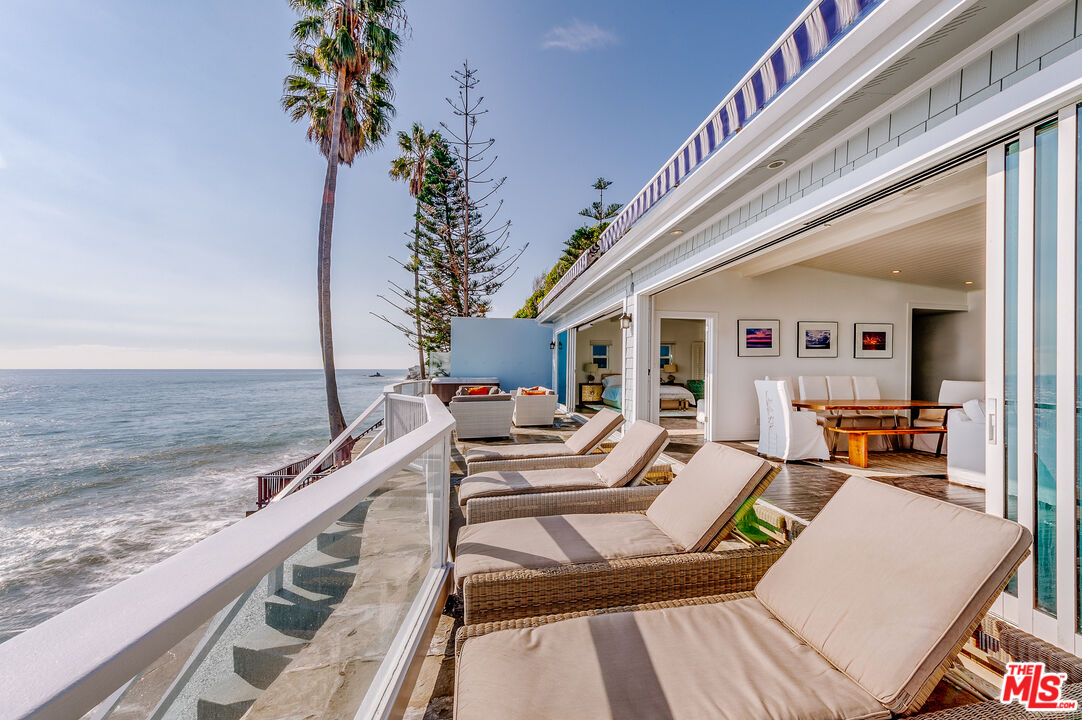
point(477, 390)
point(535, 392)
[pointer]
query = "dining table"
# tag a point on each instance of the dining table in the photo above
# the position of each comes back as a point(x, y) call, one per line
point(858, 437)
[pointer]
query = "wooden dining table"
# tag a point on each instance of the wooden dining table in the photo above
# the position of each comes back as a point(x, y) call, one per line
point(858, 437)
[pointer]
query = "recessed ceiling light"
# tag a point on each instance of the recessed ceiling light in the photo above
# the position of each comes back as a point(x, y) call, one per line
point(676, 232)
point(969, 282)
point(895, 272)
point(826, 224)
point(775, 165)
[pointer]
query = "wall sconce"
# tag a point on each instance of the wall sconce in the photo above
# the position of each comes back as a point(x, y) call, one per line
point(625, 321)
point(552, 345)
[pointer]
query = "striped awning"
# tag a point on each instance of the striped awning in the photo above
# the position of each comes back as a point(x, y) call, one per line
point(791, 55)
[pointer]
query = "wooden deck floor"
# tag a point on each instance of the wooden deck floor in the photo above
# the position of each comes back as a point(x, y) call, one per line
point(800, 488)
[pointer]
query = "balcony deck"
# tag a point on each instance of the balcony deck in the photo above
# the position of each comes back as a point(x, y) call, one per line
point(801, 489)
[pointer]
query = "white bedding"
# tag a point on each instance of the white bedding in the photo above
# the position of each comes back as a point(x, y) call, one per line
point(676, 392)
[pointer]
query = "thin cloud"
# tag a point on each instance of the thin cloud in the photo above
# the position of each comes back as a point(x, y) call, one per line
point(578, 36)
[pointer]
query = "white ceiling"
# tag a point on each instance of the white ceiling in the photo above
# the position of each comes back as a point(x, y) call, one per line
point(933, 233)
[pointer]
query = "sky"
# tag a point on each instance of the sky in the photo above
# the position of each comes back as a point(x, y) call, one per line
point(159, 210)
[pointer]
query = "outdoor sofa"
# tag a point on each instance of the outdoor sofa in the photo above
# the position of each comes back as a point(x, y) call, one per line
point(859, 619)
point(533, 456)
point(674, 542)
point(533, 407)
point(625, 465)
point(482, 416)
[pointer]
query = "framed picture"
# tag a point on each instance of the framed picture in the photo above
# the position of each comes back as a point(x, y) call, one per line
point(758, 338)
point(816, 339)
point(873, 340)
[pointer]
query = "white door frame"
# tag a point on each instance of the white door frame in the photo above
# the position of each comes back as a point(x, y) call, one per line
point(711, 320)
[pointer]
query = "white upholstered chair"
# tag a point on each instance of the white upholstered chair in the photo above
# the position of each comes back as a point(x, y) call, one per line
point(482, 416)
point(534, 409)
point(966, 436)
point(955, 392)
point(785, 433)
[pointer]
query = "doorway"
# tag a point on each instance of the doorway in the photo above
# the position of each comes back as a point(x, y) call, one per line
point(682, 364)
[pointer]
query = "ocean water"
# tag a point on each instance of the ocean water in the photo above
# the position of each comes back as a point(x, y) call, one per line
point(104, 473)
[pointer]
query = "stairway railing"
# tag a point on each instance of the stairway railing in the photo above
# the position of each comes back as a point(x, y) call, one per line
point(66, 666)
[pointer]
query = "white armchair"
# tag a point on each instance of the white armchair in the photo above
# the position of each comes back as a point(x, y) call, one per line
point(955, 392)
point(534, 409)
point(786, 433)
point(965, 434)
point(482, 416)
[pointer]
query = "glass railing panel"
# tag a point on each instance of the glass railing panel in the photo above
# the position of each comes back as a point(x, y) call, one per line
point(327, 630)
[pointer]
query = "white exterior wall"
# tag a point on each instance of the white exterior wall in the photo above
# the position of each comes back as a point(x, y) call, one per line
point(791, 295)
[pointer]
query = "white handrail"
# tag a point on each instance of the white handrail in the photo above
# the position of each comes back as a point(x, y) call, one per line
point(67, 665)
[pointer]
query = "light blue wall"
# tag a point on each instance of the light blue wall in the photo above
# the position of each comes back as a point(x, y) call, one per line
point(512, 349)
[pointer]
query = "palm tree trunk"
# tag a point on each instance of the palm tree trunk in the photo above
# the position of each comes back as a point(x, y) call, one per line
point(417, 289)
point(323, 273)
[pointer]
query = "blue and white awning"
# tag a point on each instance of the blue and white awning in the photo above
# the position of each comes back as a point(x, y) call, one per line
point(790, 56)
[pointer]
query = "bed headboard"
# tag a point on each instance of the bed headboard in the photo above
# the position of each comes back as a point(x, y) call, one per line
point(605, 375)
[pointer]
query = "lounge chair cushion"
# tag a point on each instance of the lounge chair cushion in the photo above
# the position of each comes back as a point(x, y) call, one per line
point(885, 582)
point(527, 481)
point(731, 661)
point(706, 494)
point(595, 430)
point(517, 452)
point(543, 542)
point(635, 452)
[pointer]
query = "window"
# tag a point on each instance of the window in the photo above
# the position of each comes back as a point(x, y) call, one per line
point(599, 355)
point(666, 354)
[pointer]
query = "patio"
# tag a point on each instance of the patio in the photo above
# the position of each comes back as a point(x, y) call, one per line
point(801, 489)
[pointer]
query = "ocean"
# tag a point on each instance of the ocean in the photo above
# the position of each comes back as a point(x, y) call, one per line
point(106, 472)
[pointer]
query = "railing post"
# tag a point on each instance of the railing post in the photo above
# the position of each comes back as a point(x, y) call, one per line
point(276, 579)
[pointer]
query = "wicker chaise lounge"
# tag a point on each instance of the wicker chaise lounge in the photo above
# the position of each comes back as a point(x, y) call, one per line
point(625, 465)
point(527, 566)
point(522, 456)
point(859, 619)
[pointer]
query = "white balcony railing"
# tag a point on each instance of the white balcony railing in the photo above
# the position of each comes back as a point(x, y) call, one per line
point(92, 658)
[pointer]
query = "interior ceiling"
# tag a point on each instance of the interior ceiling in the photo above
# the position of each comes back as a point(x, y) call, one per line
point(933, 233)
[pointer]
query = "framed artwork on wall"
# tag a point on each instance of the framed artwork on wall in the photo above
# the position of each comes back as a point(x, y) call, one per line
point(815, 339)
point(873, 340)
point(758, 338)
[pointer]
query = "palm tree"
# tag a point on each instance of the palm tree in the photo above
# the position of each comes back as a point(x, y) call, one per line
point(597, 210)
point(343, 58)
point(416, 148)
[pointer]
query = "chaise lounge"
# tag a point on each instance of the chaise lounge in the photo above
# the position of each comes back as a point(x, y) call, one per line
point(527, 566)
point(522, 456)
point(625, 465)
point(860, 618)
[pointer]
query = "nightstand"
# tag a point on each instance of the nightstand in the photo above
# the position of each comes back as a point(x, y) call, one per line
point(590, 392)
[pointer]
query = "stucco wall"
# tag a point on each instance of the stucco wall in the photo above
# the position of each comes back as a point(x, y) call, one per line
point(790, 295)
point(512, 349)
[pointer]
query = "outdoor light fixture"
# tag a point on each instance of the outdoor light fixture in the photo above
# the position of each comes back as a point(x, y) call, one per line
point(895, 272)
point(775, 165)
point(969, 282)
point(552, 345)
point(676, 232)
point(625, 321)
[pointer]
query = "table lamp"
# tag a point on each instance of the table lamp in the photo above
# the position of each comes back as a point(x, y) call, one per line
point(589, 369)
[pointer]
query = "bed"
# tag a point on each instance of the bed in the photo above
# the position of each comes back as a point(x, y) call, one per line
point(673, 397)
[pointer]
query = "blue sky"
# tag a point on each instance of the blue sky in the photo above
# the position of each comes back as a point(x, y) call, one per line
point(158, 209)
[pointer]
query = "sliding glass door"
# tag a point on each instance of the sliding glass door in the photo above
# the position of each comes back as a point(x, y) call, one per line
point(1033, 276)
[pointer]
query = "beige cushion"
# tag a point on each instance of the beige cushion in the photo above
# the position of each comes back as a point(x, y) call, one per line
point(596, 429)
point(636, 451)
point(706, 494)
point(884, 582)
point(555, 540)
point(730, 661)
point(527, 481)
point(517, 452)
